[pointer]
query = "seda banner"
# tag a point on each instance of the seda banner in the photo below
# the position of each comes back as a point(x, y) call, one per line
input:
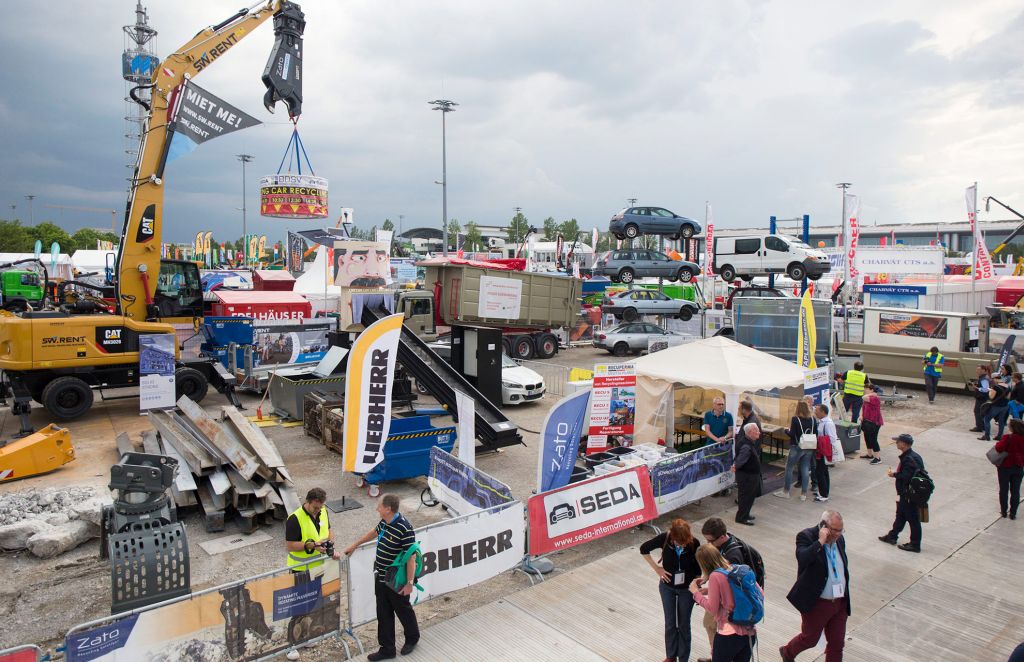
point(591, 509)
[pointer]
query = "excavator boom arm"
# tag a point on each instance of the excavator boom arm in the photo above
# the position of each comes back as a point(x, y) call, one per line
point(138, 261)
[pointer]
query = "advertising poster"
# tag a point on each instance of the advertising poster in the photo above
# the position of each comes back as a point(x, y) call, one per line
point(361, 264)
point(709, 249)
point(461, 487)
point(456, 553)
point(895, 296)
point(560, 440)
point(500, 298)
point(816, 385)
point(278, 343)
point(295, 253)
point(687, 477)
point(591, 509)
point(200, 116)
point(246, 621)
point(403, 270)
point(612, 406)
point(156, 371)
point(369, 379)
point(914, 326)
point(902, 261)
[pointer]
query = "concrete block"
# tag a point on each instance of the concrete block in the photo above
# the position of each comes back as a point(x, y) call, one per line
point(60, 539)
point(15, 536)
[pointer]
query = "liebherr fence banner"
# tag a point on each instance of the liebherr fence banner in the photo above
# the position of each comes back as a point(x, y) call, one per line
point(457, 553)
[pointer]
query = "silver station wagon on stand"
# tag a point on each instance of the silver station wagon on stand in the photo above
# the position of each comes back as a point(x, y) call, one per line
point(627, 264)
point(631, 304)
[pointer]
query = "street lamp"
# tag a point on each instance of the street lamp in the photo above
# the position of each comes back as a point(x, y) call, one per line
point(631, 201)
point(445, 106)
point(244, 158)
point(31, 216)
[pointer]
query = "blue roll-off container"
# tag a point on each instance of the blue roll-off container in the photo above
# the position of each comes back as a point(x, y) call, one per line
point(407, 450)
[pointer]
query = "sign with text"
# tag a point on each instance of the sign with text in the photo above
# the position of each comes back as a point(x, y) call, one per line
point(500, 298)
point(248, 620)
point(687, 477)
point(915, 326)
point(456, 553)
point(612, 406)
point(591, 509)
point(900, 260)
point(156, 370)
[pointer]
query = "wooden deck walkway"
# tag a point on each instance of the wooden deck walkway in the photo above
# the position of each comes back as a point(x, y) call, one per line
point(960, 600)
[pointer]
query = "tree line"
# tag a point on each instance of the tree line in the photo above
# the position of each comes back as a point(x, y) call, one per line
point(18, 238)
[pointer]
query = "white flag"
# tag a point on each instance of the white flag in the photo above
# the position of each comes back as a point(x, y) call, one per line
point(465, 407)
point(982, 262)
point(594, 238)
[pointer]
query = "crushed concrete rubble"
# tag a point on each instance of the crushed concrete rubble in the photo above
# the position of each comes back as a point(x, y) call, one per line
point(50, 521)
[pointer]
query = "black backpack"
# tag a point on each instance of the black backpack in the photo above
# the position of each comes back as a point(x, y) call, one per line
point(751, 558)
point(920, 488)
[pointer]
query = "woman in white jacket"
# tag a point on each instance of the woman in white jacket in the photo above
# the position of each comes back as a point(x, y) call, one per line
point(826, 428)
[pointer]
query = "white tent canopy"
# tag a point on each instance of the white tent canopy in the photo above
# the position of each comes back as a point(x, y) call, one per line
point(714, 363)
point(720, 363)
point(60, 270)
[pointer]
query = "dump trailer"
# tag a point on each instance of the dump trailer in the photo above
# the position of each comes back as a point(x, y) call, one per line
point(527, 307)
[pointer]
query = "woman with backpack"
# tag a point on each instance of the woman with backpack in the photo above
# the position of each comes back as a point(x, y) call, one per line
point(676, 569)
point(1011, 469)
point(714, 592)
point(802, 441)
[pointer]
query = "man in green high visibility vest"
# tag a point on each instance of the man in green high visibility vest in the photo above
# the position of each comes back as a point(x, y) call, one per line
point(853, 383)
point(307, 533)
point(933, 363)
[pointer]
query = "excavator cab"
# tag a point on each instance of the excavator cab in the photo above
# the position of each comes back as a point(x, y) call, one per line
point(179, 290)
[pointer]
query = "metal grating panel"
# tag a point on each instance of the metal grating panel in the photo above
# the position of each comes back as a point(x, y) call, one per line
point(149, 564)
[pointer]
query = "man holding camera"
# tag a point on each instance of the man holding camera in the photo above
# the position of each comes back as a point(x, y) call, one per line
point(307, 534)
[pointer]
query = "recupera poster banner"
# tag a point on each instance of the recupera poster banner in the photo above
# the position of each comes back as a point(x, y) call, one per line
point(456, 553)
point(687, 477)
point(612, 406)
point(240, 621)
point(915, 326)
point(156, 370)
point(591, 509)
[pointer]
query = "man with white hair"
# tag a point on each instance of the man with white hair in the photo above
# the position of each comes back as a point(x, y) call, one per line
point(747, 467)
point(821, 592)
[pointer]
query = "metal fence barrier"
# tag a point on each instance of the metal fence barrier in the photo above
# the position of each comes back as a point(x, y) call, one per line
point(556, 376)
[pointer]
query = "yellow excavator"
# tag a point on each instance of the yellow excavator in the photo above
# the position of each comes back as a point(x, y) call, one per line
point(59, 356)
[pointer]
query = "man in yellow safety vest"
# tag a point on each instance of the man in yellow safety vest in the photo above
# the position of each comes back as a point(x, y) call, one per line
point(854, 383)
point(933, 362)
point(307, 533)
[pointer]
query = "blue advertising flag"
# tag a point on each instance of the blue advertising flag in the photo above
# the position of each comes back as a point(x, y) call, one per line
point(560, 440)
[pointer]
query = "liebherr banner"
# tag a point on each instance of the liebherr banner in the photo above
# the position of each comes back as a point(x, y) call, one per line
point(368, 381)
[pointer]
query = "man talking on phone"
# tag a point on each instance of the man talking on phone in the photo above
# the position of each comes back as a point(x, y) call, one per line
point(822, 589)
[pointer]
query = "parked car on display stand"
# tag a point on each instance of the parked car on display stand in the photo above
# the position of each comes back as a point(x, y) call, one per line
point(635, 221)
point(627, 264)
point(759, 255)
point(752, 292)
point(631, 304)
point(629, 337)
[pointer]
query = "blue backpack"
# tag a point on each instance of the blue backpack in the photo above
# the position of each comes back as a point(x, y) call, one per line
point(749, 608)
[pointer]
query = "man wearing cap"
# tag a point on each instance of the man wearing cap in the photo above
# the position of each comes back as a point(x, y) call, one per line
point(906, 512)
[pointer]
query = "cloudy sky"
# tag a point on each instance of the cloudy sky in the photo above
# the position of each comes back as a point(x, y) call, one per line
point(566, 109)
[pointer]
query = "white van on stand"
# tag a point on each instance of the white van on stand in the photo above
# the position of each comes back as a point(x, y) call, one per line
point(759, 255)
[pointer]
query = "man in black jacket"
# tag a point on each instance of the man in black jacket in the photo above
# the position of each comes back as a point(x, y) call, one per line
point(906, 512)
point(747, 467)
point(822, 590)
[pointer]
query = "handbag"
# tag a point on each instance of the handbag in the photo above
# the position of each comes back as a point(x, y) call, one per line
point(808, 440)
point(996, 457)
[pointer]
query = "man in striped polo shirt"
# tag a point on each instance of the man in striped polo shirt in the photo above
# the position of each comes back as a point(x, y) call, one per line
point(394, 535)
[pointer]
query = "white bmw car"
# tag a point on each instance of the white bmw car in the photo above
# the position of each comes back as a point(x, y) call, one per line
point(519, 384)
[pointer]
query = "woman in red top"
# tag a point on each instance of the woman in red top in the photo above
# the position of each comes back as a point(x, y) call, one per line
point(871, 423)
point(1011, 470)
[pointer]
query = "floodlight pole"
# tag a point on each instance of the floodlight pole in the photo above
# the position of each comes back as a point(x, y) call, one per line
point(445, 106)
point(244, 158)
point(842, 186)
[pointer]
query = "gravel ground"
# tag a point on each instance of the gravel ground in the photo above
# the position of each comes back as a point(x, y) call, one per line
point(75, 587)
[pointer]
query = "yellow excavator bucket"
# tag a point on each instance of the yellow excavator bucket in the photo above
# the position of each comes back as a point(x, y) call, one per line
point(38, 453)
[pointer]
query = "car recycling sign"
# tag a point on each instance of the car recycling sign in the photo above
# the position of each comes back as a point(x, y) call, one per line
point(592, 509)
